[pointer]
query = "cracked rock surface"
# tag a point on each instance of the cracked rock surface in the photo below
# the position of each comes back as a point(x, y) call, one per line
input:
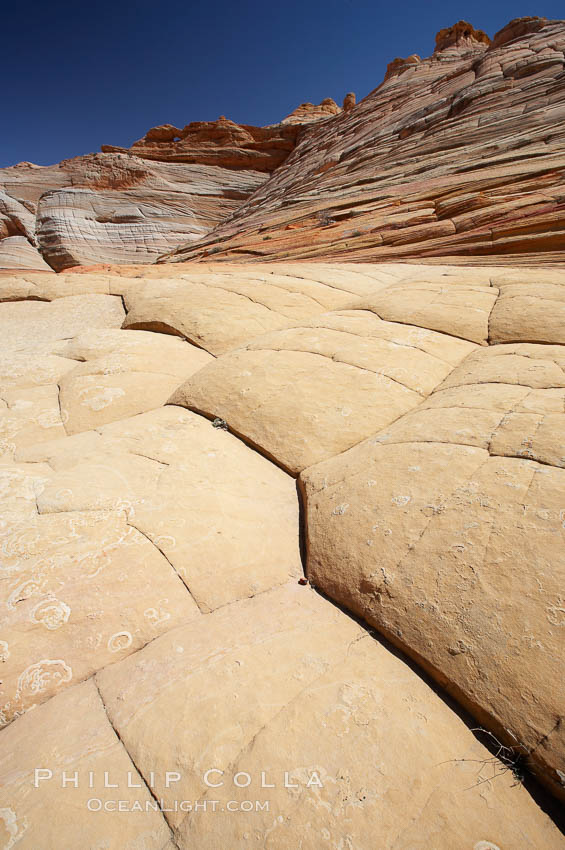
point(178, 444)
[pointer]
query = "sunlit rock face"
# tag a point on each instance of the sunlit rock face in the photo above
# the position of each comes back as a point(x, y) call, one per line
point(282, 542)
point(456, 156)
point(157, 425)
point(129, 205)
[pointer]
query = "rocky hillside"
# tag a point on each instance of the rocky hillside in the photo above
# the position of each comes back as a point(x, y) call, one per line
point(130, 205)
point(458, 156)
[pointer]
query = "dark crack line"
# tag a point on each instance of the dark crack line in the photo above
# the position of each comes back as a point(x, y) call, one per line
point(138, 769)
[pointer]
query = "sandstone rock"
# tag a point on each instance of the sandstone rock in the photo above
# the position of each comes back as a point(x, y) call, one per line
point(128, 210)
point(399, 65)
point(26, 368)
point(131, 205)
point(349, 101)
point(31, 366)
point(152, 575)
point(459, 310)
point(124, 373)
point(24, 325)
point(457, 156)
point(528, 311)
point(117, 207)
point(306, 113)
point(16, 218)
point(350, 373)
point(222, 310)
point(32, 415)
point(291, 667)
point(163, 133)
point(17, 253)
point(71, 732)
point(24, 286)
point(221, 143)
point(82, 590)
point(225, 519)
point(518, 28)
point(445, 533)
point(461, 34)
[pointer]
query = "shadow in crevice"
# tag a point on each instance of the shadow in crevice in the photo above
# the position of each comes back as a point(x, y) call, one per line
point(549, 804)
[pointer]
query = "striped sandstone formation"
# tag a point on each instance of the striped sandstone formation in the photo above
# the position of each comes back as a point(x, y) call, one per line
point(456, 157)
point(282, 542)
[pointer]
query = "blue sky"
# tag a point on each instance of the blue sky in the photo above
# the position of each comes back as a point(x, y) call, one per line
point(78, 75)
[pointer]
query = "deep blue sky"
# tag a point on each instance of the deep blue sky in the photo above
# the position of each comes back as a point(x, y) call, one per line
point(81, 74)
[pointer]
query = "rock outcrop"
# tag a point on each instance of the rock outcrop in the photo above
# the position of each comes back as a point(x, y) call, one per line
point(222, 143)
point(117, 207)
point(306, 113)
point(283, 542)
point(452, 158)
point(156, 622)
point(129, 205)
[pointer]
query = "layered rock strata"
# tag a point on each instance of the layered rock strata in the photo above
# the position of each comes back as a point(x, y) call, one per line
point(129, 205)
point(452, 158)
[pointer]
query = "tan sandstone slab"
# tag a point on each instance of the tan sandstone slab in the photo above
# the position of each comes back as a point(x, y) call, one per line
point(70, 736)
point(47, 287)
point(123, 373)
point(23, 324)
point(28, 368)
point(287, 684)
point(535, 366)
point(457, 308)
point(529, 311)
point(79, 591)
point(224, 517)
point(32, 415)
point(16, 252)
point(222, 309)
point(458, 558)
point(307, 393)
point(524, 417)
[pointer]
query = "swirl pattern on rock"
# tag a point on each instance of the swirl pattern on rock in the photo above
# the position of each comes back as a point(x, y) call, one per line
point(129, 205)
point(457, 156)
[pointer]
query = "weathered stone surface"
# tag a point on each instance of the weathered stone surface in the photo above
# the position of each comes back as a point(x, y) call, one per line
point(224, 517)
point(25, 326)
point(16, 218)
point(80, 590)
point(221, 143)
point(23, 286)
point(222, 309)
point(457, 156)
point(32, 336)
point(32, 415)
point(153, 558)
point(461, 34)
point(135, 210)
point(114, 207)
point(131, 205)
point(460, 310)
point(307, 113)
point(529, 311)
point(124, 373)
point(16, 252)
point(445, 531)
point(307, 393)
point(286, 683)
point(71, 733)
